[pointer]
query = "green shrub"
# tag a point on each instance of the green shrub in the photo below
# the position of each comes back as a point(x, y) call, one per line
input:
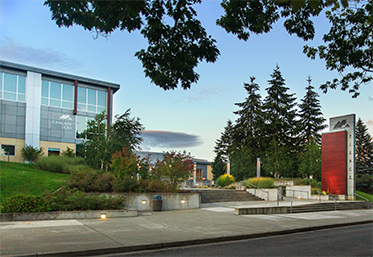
point(262, 182)
point(312, 182)
point(23, 203)
point(127, 184)
point(60, 164)
point(90, 180)
point(225, 180)
point(75, 200)
point(68, 153)
point(31, 154)
point(365, 183)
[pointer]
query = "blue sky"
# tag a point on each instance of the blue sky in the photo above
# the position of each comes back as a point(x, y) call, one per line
point(189, 120)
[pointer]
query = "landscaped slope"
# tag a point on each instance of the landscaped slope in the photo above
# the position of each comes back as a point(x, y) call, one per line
point(19, 178)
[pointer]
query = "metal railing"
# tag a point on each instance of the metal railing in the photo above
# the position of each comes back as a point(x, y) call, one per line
point(365, 199)
point(255, 188)
point(284, 197)
point(330, 197)
point(308, 193)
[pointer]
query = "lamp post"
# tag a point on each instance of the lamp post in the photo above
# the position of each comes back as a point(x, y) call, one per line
point(194, 173)
point(228, 168)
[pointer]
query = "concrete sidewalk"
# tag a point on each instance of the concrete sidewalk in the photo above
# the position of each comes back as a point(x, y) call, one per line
point(211, 223)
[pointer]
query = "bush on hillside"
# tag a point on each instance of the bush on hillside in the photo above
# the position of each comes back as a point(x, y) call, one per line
point(89, 180)
point(262, 182)
point(31, 154)
point(63, 200)
point(68, 153)
point(60, 164)
point(24, 203)
point(225, 180)
point(75, 200)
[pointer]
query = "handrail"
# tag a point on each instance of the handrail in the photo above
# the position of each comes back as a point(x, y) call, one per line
point(255, 187)
point(335, 200)
point(366, 199)
point(308, 196)
point(286, 198)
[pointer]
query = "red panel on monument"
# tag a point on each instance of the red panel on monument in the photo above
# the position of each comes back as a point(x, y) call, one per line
point(334, 162)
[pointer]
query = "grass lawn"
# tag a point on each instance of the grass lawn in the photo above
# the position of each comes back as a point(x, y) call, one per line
point(368, 196)
point(20, 178)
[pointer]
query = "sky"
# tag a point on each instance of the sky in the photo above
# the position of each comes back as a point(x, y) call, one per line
point(190, 120)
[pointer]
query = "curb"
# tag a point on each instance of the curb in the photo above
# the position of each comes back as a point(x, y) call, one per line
point(137, 248)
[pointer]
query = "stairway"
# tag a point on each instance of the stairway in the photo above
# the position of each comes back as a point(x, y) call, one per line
point(331, 206)
point(224, 195)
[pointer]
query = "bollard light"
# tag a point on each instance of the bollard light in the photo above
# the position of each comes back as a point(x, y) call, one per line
point(103, 215)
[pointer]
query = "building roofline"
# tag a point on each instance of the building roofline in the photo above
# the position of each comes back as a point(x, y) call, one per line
point(22, 67)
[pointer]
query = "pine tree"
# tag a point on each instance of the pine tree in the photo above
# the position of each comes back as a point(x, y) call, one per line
point(246, 141)
point(311, 120)
point(219, 167)
point(224, 144)
point(250, 115)
point(364, 150)
point(280, 124)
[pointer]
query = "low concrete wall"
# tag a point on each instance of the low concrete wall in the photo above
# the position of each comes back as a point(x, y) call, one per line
point(65, 215)
point(170, 201)
point(263, 195)
point(320, 197)
point(302, 192)
point(261, 210)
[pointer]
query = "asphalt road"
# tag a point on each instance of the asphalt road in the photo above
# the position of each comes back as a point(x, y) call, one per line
point(345, 241)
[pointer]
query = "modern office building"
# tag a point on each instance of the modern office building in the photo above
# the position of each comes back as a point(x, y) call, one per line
point(47, 109)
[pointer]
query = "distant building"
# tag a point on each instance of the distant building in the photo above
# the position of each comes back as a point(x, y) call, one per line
point(48, 109)
point(203, 167)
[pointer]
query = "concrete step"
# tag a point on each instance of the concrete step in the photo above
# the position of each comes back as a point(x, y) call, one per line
point(328, 207)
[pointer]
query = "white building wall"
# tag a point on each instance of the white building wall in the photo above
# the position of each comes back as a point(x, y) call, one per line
point(33, 102)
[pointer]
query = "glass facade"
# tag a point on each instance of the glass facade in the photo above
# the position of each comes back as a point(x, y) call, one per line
point(12, 87)
point(81, 125)
point(57, 95)
point(91, 100)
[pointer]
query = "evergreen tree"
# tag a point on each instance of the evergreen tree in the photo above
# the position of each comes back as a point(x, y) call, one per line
point(280, 124)
point(246, 141)
point(219, 167)
point(311, 120)
point(247, 128)
point(224, 144)
point(310, 160)
point(364, 150)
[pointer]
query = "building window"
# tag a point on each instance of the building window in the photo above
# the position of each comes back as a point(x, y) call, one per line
point(8, 150)
point(57, 94)
point(12, 87)
point(91, 100)
point(81, 126)
point(53, 151)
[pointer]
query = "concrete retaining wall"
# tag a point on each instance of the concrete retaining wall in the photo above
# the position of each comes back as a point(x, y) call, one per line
point(263, 195)
point(170, 201)
point(302, 192)
point(64, 215)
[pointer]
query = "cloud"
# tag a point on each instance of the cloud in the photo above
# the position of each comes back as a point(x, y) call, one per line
point(202, 94)
point(44, 57)
point(369, 122)
point(168, 140)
